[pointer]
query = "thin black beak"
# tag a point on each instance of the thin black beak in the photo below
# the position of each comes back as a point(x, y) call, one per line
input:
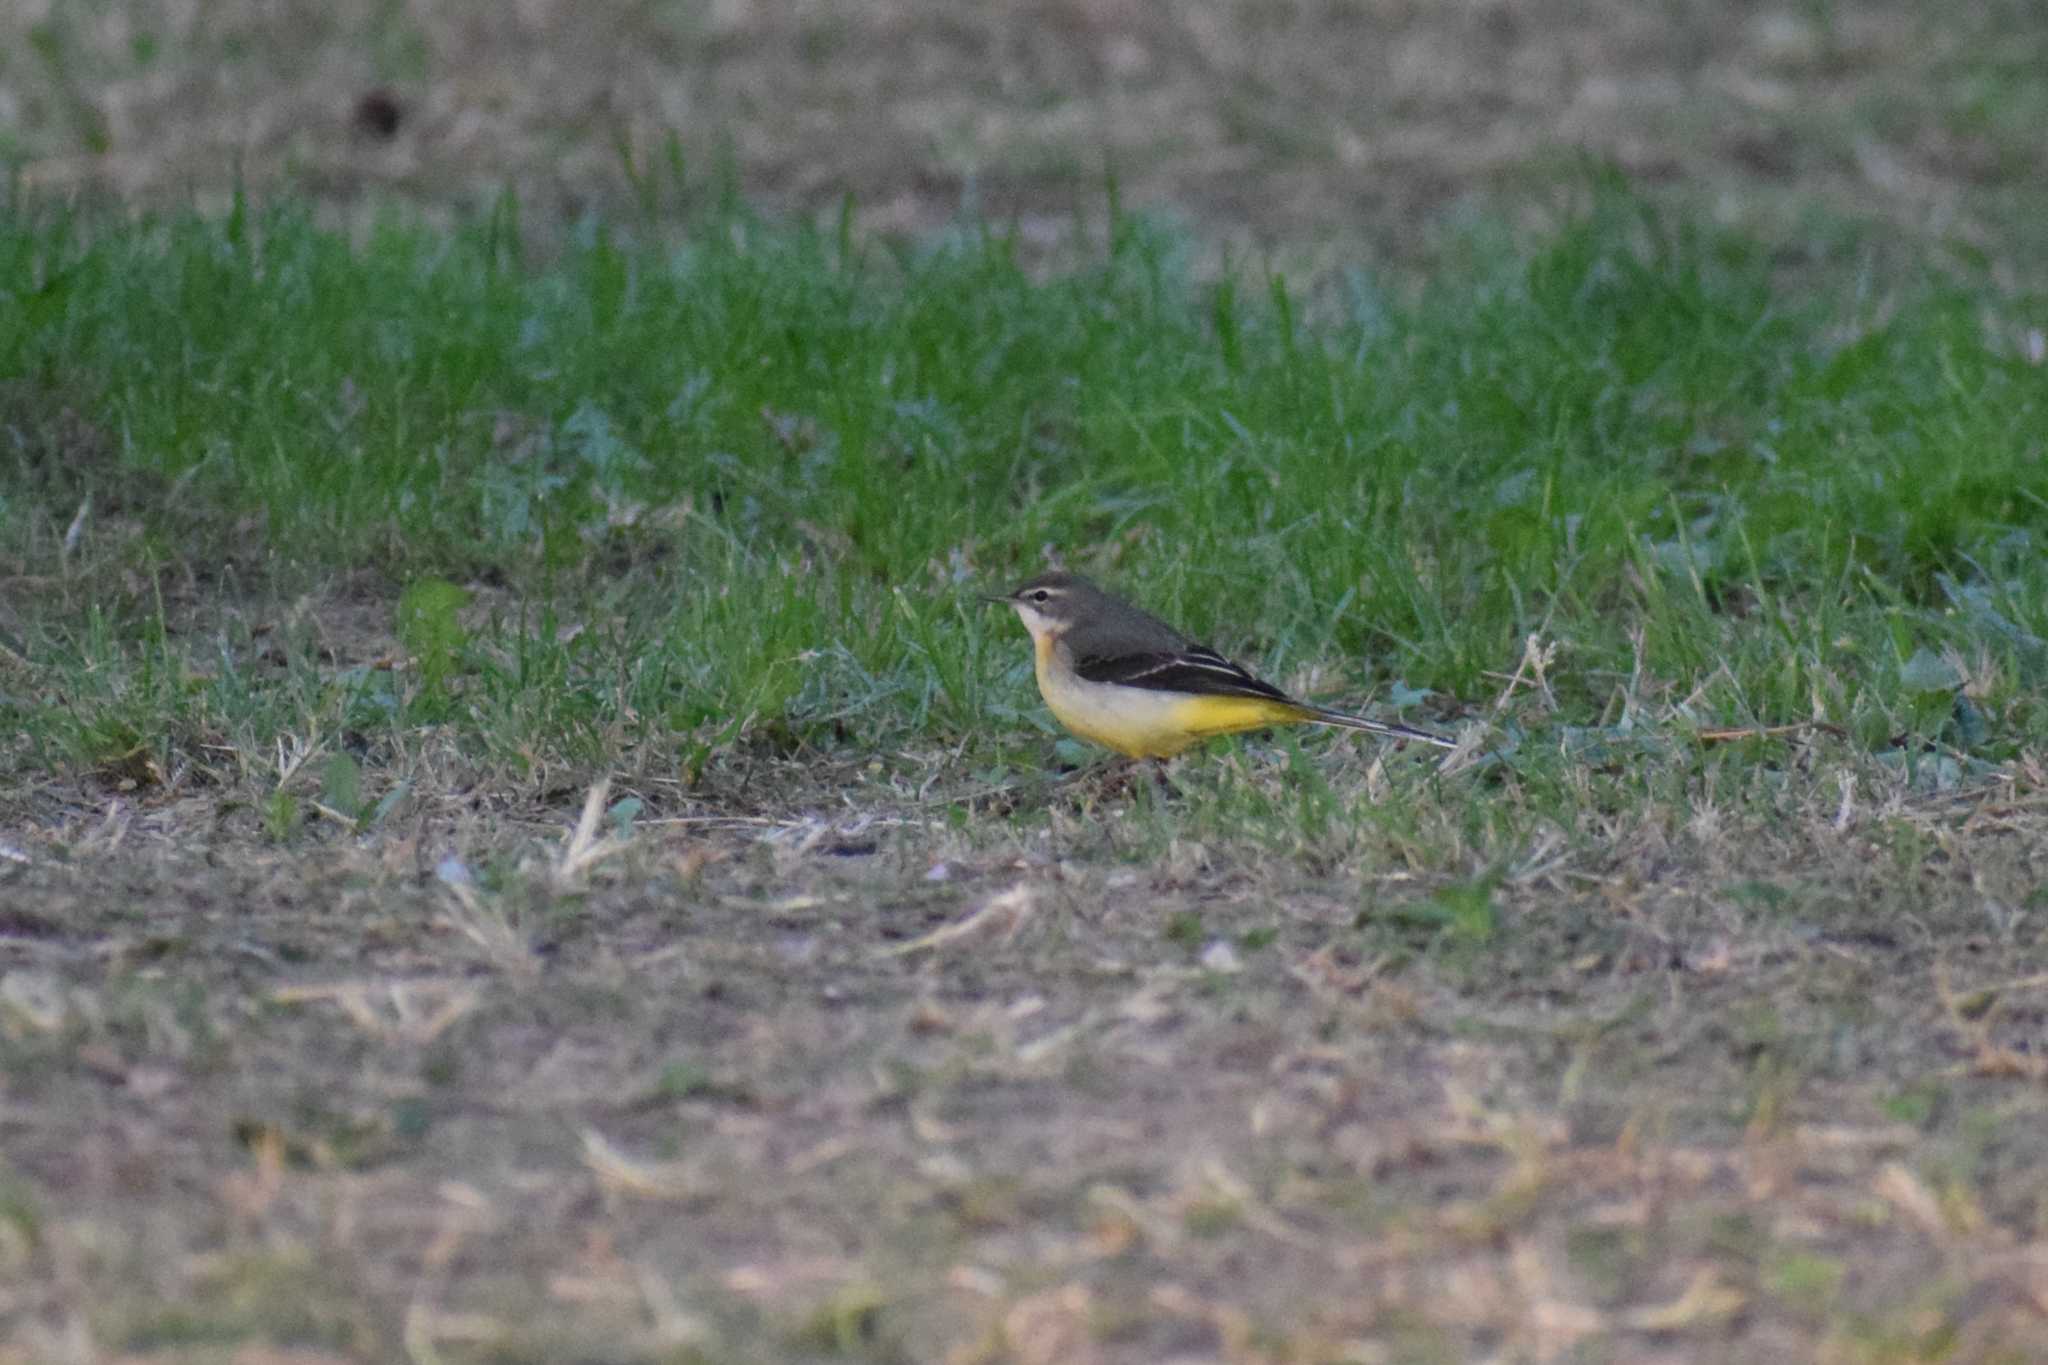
point(1006, 599)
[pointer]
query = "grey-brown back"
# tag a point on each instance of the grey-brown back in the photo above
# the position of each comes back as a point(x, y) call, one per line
point(1105, 625)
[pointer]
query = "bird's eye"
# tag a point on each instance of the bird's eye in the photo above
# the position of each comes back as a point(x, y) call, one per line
point(1041, 596)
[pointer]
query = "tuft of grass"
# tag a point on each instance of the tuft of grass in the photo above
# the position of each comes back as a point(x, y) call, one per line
point(663, 508)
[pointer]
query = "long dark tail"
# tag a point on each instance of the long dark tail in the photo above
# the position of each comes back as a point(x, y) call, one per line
point(1324, 716)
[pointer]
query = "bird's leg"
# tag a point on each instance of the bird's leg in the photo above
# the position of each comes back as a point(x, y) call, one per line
point(1114, 775)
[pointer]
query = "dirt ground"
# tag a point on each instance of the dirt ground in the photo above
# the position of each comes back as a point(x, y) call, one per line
point(833, 1060)
point(1318, 130)
point(795, 1084)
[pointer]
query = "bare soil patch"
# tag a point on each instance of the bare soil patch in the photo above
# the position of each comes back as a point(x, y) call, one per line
point(774, 1080)
point(1319, 131)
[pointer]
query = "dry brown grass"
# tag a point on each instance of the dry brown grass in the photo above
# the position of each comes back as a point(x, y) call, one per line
point(1710, 1089)
point(1310, 129)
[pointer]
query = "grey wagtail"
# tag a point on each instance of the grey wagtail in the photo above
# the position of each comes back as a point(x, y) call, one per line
point(1116, 674)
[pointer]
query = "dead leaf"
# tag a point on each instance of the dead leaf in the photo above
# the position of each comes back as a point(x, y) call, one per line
point(1706, 1302)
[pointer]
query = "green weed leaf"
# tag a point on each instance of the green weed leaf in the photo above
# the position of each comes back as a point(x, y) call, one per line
point(1927, 671)
point(429, 628)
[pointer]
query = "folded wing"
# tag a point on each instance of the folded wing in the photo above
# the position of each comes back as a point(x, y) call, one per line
point(1196, 669)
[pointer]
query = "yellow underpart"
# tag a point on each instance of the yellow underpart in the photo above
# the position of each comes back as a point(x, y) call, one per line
point(1142, 722)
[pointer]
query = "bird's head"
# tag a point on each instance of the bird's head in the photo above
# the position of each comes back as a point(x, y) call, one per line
point(1050, 603)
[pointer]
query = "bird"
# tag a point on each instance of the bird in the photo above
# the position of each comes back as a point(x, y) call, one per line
point(1116, 675)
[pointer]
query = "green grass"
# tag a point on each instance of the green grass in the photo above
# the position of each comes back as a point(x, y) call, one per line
point(739, 491)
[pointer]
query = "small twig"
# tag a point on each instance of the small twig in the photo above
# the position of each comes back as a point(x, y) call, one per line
point(585, 849)
point(1726, 734)
point(1536, 659)
point(1011, 908)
